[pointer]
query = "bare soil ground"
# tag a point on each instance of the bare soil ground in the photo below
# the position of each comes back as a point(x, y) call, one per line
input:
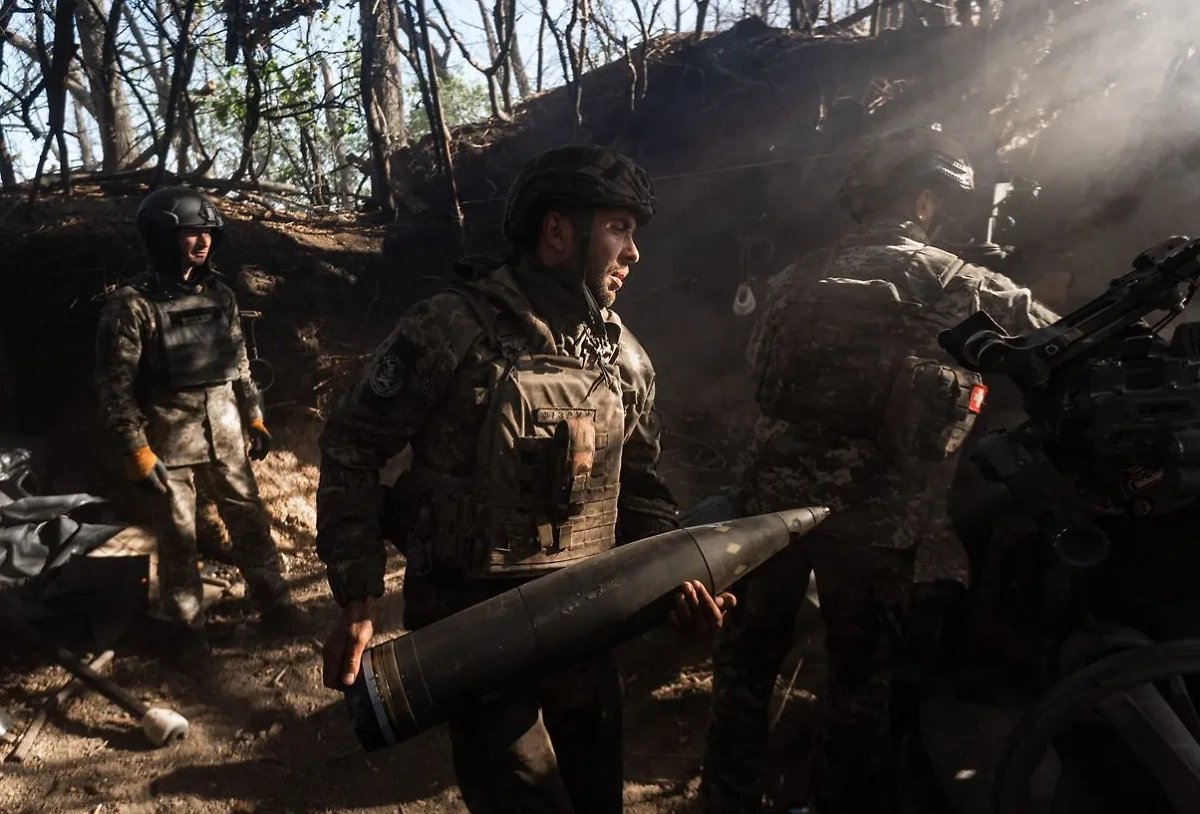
point(266, 737)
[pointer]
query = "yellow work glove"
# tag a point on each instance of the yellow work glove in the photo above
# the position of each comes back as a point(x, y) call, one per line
point(260, 440)
point(144, 468)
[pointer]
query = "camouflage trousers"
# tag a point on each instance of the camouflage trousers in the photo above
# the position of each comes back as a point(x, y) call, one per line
point(235, 493)
point(865, 592)
point(551, 743)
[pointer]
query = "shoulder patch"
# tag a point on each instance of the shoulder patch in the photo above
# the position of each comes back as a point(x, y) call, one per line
point(386, 376)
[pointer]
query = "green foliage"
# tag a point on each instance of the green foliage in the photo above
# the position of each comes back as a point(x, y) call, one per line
point(462, 101)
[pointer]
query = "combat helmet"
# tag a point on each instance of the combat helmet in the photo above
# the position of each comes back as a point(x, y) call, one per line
point(164, 212)
point(580, 175)
point(903, 159)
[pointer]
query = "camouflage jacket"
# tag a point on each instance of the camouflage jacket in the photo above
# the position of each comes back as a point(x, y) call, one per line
point(183, 427)
point(884, 501)
point(423, 389)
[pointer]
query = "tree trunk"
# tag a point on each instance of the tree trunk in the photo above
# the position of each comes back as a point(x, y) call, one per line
point(181, 72)
point(382, 93)
point(320, 186)
point(8, 174)
point(335, 126)
point(85, 142)
point(803, 14)
point(504, 53)
point(183, 164)
point(541, 50)
point(98, 54)
point(518, 67)
point(254, 94)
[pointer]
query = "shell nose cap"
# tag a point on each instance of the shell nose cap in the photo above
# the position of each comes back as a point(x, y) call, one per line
point(801, 521)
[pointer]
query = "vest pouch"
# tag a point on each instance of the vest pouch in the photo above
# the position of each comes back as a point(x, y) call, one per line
point(830, 375)
point(572, 456)
point(930, 410)
point(547, 479)
point(429, 517)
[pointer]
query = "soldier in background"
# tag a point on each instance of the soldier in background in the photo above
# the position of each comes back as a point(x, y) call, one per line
point(862, 412)
point(175, 390)
point(963, 9)
point(530, 410)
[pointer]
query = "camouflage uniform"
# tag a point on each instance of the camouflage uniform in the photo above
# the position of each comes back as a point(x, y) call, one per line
point(552, 744)
point(890, 528)
point(196, 432)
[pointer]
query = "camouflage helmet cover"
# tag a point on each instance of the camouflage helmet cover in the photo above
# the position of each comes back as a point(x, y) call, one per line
point(909, 156)
point(582, 175)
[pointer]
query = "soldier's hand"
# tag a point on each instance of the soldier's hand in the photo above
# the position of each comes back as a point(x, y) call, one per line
point(260, 440)
point(145, 469)
point(343, 649)
point(697, 611)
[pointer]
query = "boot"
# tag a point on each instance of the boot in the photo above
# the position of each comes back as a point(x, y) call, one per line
point(188, 651)
point(282, 617)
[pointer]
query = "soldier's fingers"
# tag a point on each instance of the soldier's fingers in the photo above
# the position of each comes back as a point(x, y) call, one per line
point(726, 601)
point(709, 615)
point(158, 474)
point(332, 658)
point(673, 619)
point(158, 478)
point(353, 662)
point(682, 610)
point(701, 606)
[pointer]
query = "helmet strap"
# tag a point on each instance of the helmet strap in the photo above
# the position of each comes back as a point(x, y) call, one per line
point(583, 230)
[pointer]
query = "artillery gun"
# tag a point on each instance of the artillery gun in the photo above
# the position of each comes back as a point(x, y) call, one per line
point(1108, 466)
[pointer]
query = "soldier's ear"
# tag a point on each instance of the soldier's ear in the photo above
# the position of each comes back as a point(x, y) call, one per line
point(557, 233)
point(926, 207)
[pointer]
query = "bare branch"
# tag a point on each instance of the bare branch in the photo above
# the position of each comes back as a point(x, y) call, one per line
point(161, 85)
point(78, 92)
point(437, 123)
point(541, 41)
point(56, 88)
point(185, 56)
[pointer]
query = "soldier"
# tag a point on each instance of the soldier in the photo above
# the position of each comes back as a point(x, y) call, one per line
point(963, 10)
point(864, 413)
point(176, 394)
point(530, 410)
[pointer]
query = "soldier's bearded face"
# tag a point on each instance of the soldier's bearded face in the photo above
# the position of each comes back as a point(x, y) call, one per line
point(195, 244)
point(610, 254)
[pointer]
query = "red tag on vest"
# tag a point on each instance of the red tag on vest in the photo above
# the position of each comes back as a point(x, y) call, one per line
point(978, 393)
